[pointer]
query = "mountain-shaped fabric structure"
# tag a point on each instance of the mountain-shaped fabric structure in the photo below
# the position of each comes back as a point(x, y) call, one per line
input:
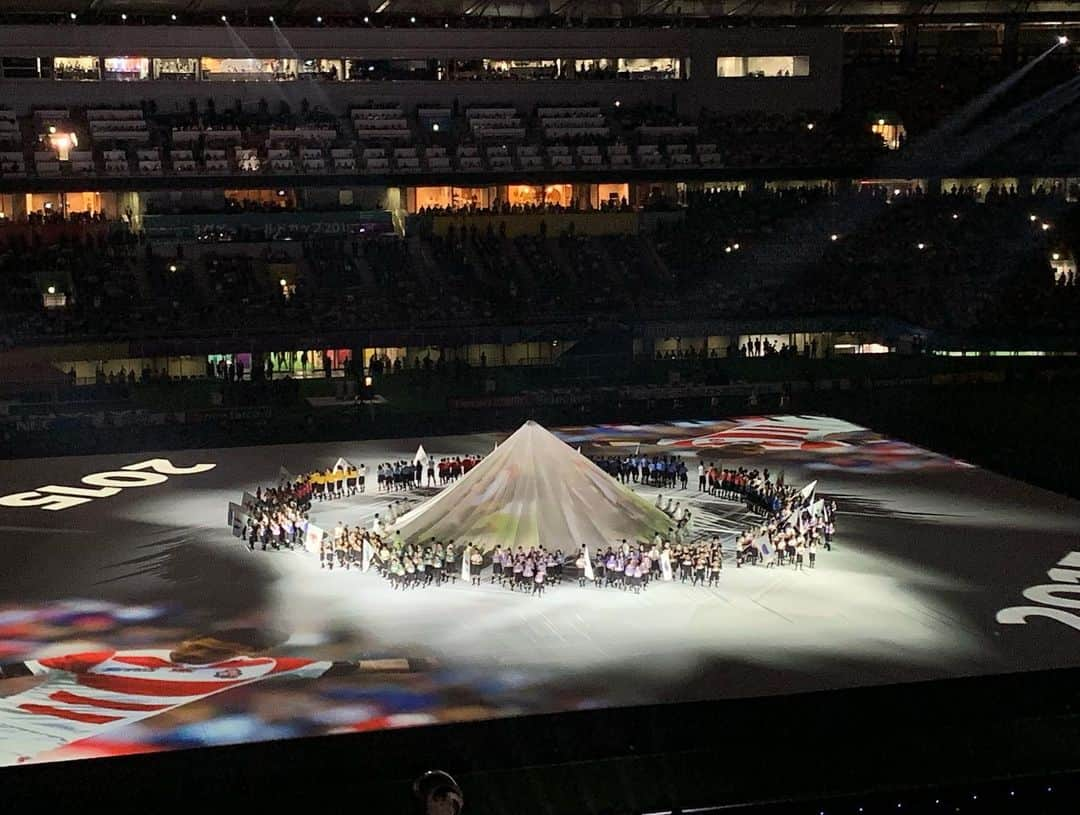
point(534, 489)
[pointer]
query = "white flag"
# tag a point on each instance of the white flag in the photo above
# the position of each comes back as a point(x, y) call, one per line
point(466, 567)
point(313, 538)
point(765, 547)
point(421, 456)
point(368, 551)
point(817, 509)
point(808, 490)
point(665, 566)
point(392, 512)
point(589, 575)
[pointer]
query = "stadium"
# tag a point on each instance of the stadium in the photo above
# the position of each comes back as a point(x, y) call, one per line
point(636, 407)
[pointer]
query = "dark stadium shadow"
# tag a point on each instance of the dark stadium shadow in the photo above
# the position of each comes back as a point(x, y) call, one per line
point(178, 568)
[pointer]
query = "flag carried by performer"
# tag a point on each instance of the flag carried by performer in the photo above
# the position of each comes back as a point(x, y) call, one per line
point(665, 566)
point(238, 519)
point(466, 567)
point(765, 547)
point(808, 490)
point(313, 538)
point(817, 509)
point(421, 456)
point(589, 575)
point(248, 500)
point(234, 510)
point(365, 557)
point(285, 475)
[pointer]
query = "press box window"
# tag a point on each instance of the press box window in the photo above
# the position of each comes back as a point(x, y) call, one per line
point(762, 67)
point(76, 68)
point(126, 68)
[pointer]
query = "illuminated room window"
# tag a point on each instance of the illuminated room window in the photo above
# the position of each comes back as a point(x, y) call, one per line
point(126, 68)
point(522, 68)
point(762, 67)
point(595, 68)
point(247, 70)
point(76, 68)
point(529, 194)
point(176, 68)
point(611, 195)
point(330, 69)
point(892, 133)
point(652, 68)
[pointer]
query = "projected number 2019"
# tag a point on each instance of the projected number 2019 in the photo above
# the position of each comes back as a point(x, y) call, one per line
point(1053, 598)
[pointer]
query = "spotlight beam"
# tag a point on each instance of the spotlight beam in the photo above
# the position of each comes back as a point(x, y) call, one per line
point(949, 158)
point(933, 143)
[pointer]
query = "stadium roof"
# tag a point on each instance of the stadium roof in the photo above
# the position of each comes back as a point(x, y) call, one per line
point(306, 11)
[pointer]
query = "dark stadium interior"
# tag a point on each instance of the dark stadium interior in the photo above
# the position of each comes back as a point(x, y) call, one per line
point(761, 244)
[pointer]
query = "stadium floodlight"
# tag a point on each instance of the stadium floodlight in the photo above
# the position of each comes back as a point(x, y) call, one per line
point(172, 267)
point(172, 17)
point(921, 245)
point(224, 19)
point(1056, 256)
point(271, 18)
point(956, 216)
point(283, 282)
point(881, 122)
point(735, 246)
point(435, 127)
point(1033, 218)
point(1045, 226)
point(1063, 40)
point(124, 16)
point(834, 237)
point(52, 289)
point(74, 16)
point(809, 125)
point(618, 103)
point(318, 20)
point(727, 249)
point(412, 20)
point(366, 19)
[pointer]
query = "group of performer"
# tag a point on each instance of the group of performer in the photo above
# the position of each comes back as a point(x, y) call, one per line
point(404, 475)
point(682, 518)
point(666, 472)
point(526, 570)
point(278, 515)
point(792, 538)
point(336, 482)
point(795, 526)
